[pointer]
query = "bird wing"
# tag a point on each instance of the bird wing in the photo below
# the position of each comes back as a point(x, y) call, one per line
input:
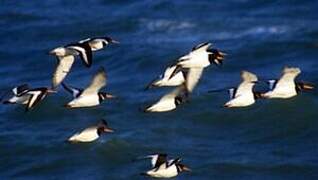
point(169, 71)
point(201, 47)
point(74, 91)
point(20, 90)
point(158, 160)
point(176, 70)
point(168, 99)
point(172, 94)
point(192, 78)
point(85, 40)
point(173, 161)
point(285, 80)
point(84, 51)
point(232, 92)
point(97, 83)
point(62, 69)
point(246, 86)
point(36, 96)
point(248, 76)
point(272, 84)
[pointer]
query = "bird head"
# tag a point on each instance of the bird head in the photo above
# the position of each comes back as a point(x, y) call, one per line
point(183, 167)
point(103, 127)
point(216, 57)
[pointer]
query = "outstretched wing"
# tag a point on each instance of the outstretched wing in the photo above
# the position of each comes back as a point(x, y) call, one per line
point(174, 161)
point(172, 94)
point(202, 46)
point(84, 51)
point(192, 78)
point(62, 69)
point(97, 83)
point(176, 70)
point(35, 97)
point(158, 160)
point(20, 90)
point(74, 91)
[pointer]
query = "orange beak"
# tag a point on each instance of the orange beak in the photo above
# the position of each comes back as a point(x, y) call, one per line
point(109, 130)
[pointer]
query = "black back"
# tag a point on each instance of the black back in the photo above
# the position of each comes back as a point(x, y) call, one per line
point(22, 89)
point(199, 46)
point(162, 158)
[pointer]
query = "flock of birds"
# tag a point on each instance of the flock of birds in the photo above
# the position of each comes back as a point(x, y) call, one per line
point(183, 74)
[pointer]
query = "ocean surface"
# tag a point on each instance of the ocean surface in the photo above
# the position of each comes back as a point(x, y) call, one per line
point(273, 139)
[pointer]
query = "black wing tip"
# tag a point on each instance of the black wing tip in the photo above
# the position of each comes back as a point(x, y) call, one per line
point(64, 85)
point(176, 70)
point(201, 45)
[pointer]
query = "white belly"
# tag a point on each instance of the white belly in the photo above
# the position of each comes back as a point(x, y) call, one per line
point(162, 106)
point(283, 93)
point(174, 81)
point(85, 101)
point(241, 101)
point(87, 135)
point(164, 172)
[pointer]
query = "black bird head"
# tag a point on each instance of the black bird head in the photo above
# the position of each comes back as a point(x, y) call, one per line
point(103, 127)
point(182, 167)
point(216, 57)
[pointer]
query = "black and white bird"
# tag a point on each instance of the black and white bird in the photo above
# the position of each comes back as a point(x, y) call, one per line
point(286, 87)
point(200, 57)
point(97, 43)
point(82, 49)
point(156, 159)
point(169, 101)
point(22, 94)
point(243, 95)
point(90, 96)
point(165, 80)
point(66, 55)
point(65, 59)
point(91, 133)
point(164, 168)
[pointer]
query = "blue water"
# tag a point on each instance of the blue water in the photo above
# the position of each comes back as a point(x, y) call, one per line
point(274, 139)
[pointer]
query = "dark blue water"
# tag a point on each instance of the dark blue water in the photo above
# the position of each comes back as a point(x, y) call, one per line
point(274, 139)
